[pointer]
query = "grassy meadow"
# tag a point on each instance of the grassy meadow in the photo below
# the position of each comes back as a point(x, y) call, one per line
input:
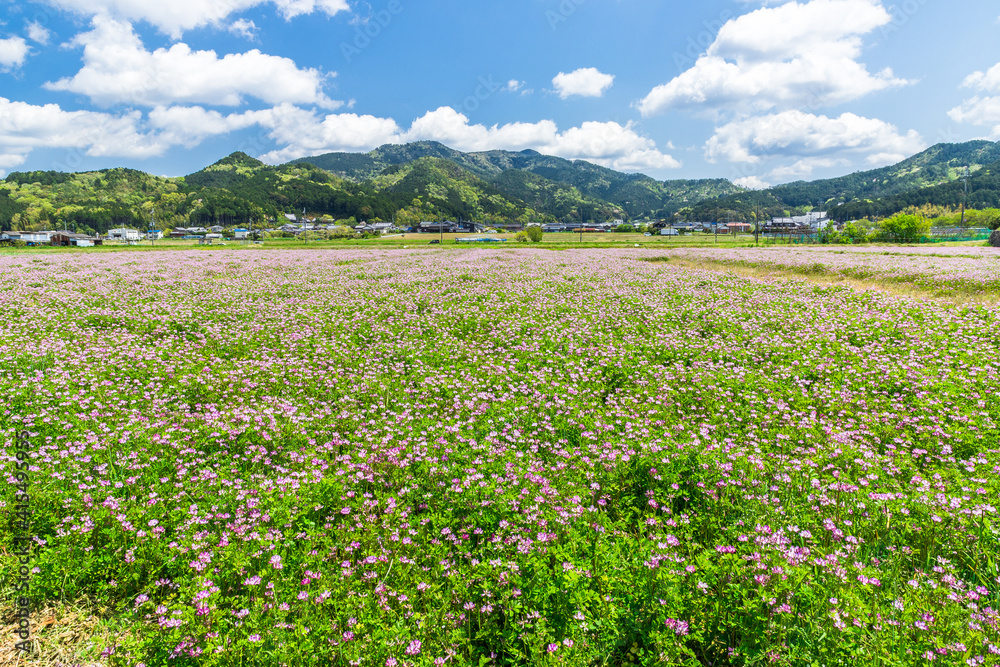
point(428, 456)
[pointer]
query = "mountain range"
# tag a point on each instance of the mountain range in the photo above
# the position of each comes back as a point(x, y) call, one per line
point(427, 180)
point(635, 194)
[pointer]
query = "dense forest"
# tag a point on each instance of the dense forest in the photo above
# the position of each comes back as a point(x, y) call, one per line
point(939, 164)
point(240, 190)
point(8, 209)
point(983, 193)
point(560, 200)
point(931, 177)
point(635, 195)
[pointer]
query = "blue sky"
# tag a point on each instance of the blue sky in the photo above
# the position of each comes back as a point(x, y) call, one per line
point(756, 92)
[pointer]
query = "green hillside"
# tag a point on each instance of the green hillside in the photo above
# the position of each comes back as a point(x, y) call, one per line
point(936, 165)
point(239, 189)
point(364, 166)
point(232, 191)
point(427, 181)
point(930, 177)
point(635, 194)
point(90, 201)
point(434, 184)
point(560, 200)
point(984, 193)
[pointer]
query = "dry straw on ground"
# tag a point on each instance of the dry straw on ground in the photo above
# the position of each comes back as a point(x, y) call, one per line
point(68, 635)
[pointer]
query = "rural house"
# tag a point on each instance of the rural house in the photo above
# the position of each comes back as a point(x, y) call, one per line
point(66, 239)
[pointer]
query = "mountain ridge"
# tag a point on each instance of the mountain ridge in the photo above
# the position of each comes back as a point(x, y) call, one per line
point(428, 180)
point(635, 194)
point(937, 166)
point(932, 166)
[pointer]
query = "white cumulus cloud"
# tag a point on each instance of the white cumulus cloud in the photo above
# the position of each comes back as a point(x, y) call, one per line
point(585, 82)
point(752, 183)
point(984, 109)
point(189, 126)
point(25, 127)
point(302, 133)
point(796, 134)
point(244, 28)
point(988, 81)
point(606, 143)
point(39, 33)
point(175, 16)
point(804, 168)
point(13, 52)
point(793, 55)
point(119, 70)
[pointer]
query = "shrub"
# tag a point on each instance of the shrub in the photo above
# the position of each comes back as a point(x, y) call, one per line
point(534, 234)
point(904, 226)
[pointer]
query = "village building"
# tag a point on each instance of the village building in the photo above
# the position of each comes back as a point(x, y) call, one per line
point(124, 234)
point(30, 238)
point(69, 239)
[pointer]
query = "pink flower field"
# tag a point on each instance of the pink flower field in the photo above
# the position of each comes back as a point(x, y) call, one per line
point(502, 457)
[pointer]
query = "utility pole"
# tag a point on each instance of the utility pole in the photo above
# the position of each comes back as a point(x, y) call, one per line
point(965, 196)
point(756, 226)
